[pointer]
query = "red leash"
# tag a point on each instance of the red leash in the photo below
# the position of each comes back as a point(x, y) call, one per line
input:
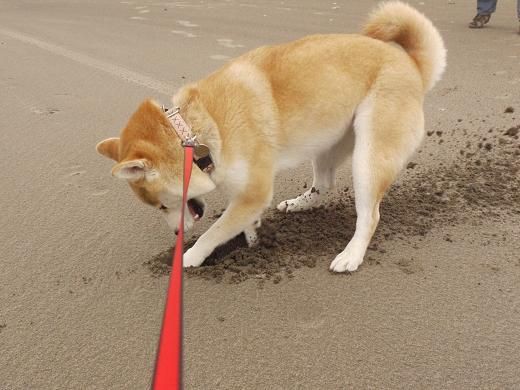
point(168, 366)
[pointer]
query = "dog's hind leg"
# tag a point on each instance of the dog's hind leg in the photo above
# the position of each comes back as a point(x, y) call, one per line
point(387, 132)
point(324, 170)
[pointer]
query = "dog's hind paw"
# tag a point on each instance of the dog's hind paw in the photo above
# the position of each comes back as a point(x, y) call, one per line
point(282, 206)
point(346, 262)
point(305, 201)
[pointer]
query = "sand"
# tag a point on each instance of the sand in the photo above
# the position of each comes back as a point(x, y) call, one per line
point(83, 273)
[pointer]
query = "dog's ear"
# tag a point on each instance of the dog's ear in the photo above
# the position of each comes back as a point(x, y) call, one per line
point(131, 170)
point(109, 148)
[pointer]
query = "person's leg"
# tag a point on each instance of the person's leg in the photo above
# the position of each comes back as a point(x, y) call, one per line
point(486, 7)
point(484, 10)
point(518, 14)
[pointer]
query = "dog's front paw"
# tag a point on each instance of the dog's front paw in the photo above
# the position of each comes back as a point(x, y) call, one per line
point(346, 261)
point(192, 258)
point(251, 235)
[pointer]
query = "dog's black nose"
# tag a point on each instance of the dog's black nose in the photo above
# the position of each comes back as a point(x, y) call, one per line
point(176, 231)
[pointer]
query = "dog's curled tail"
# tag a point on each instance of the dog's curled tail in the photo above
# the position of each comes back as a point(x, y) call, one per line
point(398, 22)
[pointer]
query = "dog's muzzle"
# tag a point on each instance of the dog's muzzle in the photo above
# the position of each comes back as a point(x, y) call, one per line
point(196, 208)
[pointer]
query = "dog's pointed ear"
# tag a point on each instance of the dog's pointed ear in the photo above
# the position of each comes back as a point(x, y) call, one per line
point(109, 148)
point(130, 170)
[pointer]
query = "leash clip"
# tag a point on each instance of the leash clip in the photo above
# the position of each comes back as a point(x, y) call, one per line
point(201, 153)
point(190, 142)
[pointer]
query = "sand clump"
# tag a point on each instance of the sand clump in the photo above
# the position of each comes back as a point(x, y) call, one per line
point(483, 180)
point(513, 132)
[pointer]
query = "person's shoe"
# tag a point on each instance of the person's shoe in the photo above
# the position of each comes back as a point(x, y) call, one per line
point(479, 21)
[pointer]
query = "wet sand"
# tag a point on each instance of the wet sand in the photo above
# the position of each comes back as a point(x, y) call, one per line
point(83, 275)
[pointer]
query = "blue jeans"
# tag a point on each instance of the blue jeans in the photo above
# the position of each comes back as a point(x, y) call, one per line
point(487, 7)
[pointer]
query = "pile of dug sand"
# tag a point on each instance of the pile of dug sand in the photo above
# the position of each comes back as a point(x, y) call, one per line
point(483, 179)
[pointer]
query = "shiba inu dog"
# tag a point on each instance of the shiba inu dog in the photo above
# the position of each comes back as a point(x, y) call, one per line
point(323, 98)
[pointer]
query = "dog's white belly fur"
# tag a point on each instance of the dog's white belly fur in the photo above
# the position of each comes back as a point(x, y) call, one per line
point(298, 152)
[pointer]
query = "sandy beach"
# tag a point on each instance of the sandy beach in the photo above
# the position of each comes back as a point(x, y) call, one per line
point(83, 271)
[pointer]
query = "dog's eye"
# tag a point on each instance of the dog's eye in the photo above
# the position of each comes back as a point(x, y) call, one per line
point(163, 208)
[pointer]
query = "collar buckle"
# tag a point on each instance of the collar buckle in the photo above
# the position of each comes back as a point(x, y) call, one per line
point(201, 153)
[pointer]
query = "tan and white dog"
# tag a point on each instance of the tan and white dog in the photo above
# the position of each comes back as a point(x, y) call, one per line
point(323, 98)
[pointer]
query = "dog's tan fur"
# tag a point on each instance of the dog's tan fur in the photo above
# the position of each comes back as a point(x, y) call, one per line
point(321, 98)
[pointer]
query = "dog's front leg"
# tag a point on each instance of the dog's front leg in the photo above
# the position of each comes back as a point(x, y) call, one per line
point(250, 233)
point(240, 216)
